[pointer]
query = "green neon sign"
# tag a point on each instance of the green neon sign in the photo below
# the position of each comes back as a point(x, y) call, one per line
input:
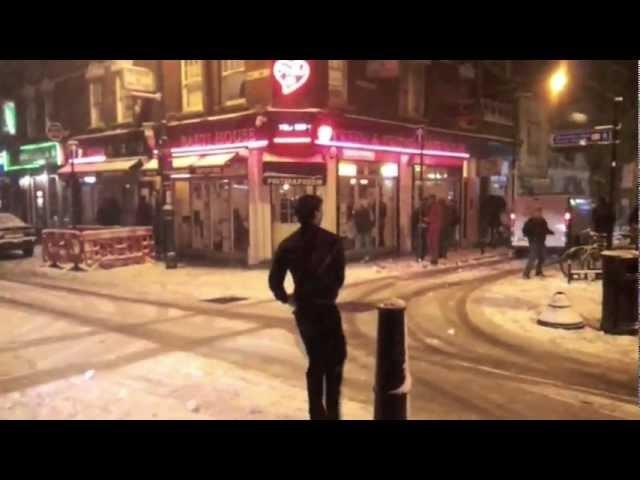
point(8, 118)
point(36, 156)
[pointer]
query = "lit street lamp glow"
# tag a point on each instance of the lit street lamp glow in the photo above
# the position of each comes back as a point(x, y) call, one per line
point(558, 80)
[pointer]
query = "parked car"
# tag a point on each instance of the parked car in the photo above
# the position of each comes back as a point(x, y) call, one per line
point(16, 235)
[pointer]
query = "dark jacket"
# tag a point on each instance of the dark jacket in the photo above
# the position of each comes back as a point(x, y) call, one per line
point(602, 217)
point(362, 219)
point(315, 258)
point(536, 230)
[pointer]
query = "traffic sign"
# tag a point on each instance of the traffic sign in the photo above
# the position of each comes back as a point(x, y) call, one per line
point(582, 138)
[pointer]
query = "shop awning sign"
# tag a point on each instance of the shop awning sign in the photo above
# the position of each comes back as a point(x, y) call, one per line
point(295, 173)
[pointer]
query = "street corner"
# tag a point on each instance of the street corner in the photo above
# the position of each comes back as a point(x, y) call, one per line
point(510, 308)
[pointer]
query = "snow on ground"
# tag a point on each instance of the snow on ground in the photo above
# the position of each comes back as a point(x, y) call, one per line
point(198, 283)
point(514, 304)
point(175, 386)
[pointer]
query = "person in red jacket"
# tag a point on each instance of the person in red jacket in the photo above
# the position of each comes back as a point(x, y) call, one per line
point(435, 218)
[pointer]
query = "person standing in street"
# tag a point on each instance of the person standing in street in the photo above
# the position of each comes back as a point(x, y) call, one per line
point(315, 258)
point(435, 219)
point(536, 230)
point(144, 212)
point(450, 222)
point(382, 222)
point(602, 217)
point(363, 221)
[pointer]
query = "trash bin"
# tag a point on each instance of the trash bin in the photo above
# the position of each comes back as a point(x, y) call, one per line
point(619, 291)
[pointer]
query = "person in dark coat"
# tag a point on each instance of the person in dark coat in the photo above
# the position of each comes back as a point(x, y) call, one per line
point(602, 217)
point(382, 222)
point(450, 222)
point(633, 226)
point(363, 222)
point(144, 212)
point(109, 213)
point(536, 230)
point(435, 219)
point(315, 258)
point(494, 207)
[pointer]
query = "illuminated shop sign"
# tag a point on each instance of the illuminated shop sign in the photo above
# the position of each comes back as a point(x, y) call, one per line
point(291, 74)
point(36, 156)
point(8, 117)
point(294, 173)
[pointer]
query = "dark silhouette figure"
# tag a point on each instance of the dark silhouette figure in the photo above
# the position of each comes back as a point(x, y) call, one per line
point(109, 213)
point(449, 224)
point(144, 213)
point(536, 231)
point(602, 217)
point(315, 259)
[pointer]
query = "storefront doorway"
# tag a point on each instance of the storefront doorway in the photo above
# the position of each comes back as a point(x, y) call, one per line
point(368, 196)
point(215, 222)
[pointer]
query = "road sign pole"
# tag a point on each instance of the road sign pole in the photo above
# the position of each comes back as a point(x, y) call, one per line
point(612, 171)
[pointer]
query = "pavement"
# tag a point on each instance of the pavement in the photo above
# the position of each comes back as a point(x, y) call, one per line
point(139, 342)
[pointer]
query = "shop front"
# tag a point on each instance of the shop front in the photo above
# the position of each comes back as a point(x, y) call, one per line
point(31, 187)
point(210, 191)
point(107, 169)
point(235, 181)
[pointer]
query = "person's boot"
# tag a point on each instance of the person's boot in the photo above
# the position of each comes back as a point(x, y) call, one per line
point(540, 274)
point(526, 275)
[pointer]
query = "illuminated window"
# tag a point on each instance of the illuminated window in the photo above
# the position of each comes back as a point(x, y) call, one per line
point(338, 82)
point(192, 86)
point(124, 105)
point(95, 96)
point(412, 91)
point(233, 73)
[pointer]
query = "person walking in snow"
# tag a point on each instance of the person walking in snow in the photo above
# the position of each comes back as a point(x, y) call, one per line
point(315, 258)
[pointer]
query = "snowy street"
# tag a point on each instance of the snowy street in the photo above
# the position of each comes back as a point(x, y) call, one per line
point(141, 342)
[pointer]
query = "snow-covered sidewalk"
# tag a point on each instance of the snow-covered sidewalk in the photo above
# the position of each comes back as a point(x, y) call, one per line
point(196, 283)
point(511, 307)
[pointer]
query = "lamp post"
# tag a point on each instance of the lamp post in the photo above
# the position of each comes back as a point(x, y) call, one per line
point(73, 150)
point(420, 226)
point(617, 101)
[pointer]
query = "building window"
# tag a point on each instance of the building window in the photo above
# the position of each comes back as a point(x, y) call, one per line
point(338, 82)
point(95, 95)
point(412, 91)
point(32, 117)
point(124, 103)
point(232, 82)
point(192, 87)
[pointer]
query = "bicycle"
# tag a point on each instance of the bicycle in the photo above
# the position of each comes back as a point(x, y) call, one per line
point(584, 258)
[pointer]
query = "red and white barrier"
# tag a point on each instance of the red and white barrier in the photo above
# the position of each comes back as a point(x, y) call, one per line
point(107, 248)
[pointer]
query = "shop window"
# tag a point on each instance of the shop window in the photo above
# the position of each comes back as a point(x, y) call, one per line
point(412, 97)
point(95, 97)
point(124, 105)
point(338, 82)
point(284, 201)
point(233, 76)
point(192, 85)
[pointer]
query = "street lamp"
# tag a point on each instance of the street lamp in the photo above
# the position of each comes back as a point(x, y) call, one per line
point(558, 81)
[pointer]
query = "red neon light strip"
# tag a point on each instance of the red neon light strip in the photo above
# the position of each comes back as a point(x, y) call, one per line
point(292, 140)
point(383, 148)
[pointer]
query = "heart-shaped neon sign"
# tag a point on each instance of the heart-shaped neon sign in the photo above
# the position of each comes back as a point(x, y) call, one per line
point(291, 74)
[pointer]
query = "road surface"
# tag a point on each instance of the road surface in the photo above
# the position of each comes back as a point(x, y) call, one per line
point(79, 353)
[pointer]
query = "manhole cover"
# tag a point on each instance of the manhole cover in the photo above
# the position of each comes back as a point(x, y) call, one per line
point(226, 300)
point(356, 307)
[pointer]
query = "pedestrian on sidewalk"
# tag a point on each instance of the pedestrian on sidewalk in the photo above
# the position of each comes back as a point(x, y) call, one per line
point(364, 224)
point(449, 224)
point(315, 258)
point(435, 219)
point(536, 230)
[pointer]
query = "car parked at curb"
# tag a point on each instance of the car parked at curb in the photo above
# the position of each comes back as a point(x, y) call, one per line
point(16, 235)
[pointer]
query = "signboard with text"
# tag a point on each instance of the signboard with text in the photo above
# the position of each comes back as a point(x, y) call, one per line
point(582, 138)
point(138, 79)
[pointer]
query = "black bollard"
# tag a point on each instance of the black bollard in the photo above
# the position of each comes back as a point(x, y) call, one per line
point(170, 257)
point(393, 380)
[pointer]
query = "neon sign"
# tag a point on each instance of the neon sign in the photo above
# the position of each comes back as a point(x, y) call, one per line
point(291, 74)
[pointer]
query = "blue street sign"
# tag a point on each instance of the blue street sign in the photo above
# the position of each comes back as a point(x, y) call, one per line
point(582, 138)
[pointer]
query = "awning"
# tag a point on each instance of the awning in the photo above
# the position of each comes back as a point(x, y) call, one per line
point(193, 161)
point(214, 160)
point(100, 167)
